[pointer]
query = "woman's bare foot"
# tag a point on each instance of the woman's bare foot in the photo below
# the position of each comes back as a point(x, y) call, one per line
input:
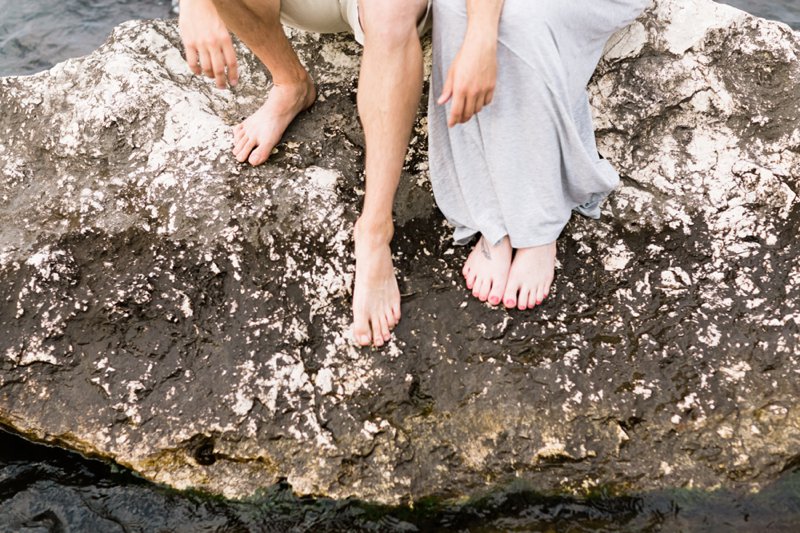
point(376, 297)
point(255, 138)
point(531, 276)
point(486, 270)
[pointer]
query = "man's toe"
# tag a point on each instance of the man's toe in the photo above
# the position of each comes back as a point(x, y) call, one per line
point(390, 320)
point(239, 145)
point(259, 155)
point(377, 334)
point(245, 150)
point(361, 333)
point(385, 330)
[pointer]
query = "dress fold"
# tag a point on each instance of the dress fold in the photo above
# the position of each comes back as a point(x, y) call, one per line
point(525, 162)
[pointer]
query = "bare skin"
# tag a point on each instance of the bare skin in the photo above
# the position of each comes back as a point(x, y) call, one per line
point(530, 277)
point(389, 92)
point(489, 271)
point(257, 23)
point(390, 88)
point(255, 138)
point(523, 282)
point(376, 296)
point(486, 270)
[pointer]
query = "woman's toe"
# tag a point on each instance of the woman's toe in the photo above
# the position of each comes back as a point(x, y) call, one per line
point(496, 294)
point(486, 288)
point(533, 299)
point(477, 287)
point(510, 295)
point(522, 301)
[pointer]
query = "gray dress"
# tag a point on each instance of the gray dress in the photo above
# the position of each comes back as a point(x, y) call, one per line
point(521, 165)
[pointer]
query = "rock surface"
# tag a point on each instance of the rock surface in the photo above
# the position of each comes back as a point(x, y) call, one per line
point(187, 316)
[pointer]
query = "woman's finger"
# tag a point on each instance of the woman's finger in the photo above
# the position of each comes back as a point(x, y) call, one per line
point(230, 60)
point(489, 98)
point(192, 59)
point(456, 111)
point(447, 91)
point(478, 105)
point(218, 65)
point(469, 109)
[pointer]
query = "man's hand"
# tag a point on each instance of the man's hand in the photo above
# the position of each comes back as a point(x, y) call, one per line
point(209, 48)
point(472, 77)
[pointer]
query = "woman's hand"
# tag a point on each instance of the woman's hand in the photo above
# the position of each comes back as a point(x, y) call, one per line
point(209, 48)
point(472, 77)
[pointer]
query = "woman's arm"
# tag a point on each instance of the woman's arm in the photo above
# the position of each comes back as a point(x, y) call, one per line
point(472, 76)
point(209, 48)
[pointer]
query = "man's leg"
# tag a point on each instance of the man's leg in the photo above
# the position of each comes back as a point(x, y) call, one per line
point(257, 23)
point(389, 92)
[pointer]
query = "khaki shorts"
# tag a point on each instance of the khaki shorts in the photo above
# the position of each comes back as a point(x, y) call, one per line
point(333, 16)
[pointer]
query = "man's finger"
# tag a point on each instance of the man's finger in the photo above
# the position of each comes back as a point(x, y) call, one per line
point(218, 64)
point(447, 91)
point(205, 63)
point(230, 60)
point(192, 59)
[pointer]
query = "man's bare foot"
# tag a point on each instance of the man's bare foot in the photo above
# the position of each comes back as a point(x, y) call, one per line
point(376, 297)
point(255, 138)
point(531, 276)
point(486, 270)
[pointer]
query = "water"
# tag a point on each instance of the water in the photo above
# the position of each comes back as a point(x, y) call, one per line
point(37, 34)
point(787, 11)
point(47, 489)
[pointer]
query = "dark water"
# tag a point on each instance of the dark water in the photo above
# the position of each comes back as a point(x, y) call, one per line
point(47, 489)
point(784, 10)
point(37, 34)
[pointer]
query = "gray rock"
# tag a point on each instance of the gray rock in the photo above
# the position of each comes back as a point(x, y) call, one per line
point(186, 316)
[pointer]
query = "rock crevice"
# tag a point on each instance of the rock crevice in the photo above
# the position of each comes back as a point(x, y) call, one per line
point(186, 316)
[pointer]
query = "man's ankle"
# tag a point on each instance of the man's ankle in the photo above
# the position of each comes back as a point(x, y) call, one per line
point(375, 231)
point(298, 78)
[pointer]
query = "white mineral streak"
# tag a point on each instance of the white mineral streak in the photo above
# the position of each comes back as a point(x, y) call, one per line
point(154, 144)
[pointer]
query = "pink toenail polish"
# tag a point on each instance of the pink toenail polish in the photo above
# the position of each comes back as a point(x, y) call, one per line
point(511, 303)
point(494, 300)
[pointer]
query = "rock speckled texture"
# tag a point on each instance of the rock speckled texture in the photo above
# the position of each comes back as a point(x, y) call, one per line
point(170, 309)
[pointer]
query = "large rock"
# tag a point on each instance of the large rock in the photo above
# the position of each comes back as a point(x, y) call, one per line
point(184, 315)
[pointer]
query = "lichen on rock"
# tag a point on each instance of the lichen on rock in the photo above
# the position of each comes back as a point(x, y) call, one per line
point(184, 315)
